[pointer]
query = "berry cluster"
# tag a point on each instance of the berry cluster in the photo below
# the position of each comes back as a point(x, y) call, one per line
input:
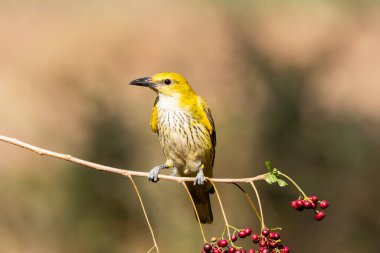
point(268, 241)
point(311, 203)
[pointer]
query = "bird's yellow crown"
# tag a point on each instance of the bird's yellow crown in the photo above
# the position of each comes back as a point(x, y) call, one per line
point(171, 84)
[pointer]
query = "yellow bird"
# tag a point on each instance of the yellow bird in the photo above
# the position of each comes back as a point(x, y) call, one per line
point(187, 135)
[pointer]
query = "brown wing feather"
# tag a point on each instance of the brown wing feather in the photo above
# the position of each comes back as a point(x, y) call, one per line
point(211, 120)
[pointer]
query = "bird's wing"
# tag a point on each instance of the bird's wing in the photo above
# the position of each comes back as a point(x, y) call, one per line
point(207, 120)
point(154, 117)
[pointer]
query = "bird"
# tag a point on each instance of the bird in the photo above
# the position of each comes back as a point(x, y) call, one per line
point(186, 131)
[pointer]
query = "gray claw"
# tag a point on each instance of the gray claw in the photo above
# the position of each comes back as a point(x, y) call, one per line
point(153, 174)
point(200, 178)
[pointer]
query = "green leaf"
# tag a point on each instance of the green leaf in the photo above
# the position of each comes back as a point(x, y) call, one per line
point(269, 166)
point(270, 178)
point(281, 183)
point(273, 175)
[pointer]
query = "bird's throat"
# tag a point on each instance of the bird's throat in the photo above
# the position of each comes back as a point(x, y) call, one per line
point(174, 102)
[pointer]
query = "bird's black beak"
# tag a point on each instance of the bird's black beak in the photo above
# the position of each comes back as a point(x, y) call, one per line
point(145, 81)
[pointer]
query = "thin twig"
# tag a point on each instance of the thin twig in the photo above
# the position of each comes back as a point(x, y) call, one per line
point(196, 211)
point(259, 201)
point(296, 185)
point(145, 214)
point(154, 247)
point(100, 167)
point(249, 200)
point(221, 207)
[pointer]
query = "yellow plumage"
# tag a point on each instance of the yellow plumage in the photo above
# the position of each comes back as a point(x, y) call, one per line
point(186, 132)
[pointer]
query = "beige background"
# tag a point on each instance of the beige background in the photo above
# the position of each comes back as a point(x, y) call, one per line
point(294, 83)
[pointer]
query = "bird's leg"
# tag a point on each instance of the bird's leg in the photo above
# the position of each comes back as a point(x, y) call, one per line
point(153, 173)
point(200, 178)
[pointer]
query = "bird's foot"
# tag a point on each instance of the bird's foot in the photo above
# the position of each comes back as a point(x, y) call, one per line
point(200, 178)
point(153, 173)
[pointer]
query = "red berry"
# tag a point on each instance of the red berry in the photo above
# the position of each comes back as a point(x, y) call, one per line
point(271, 235)
point(238, 251)
point(232, 250)
point(276, 236)
point(314, 199)
point(242, 234)
point(248, 231)
point(263, 244)
point(222, 243)
point(251, 251)
point(294, 204)
point(307, 204)
point(272, 244)
point(255, 238)
point(265, 251)
point(234, 238)
point(265, 232)
point(300, 204)
point(297, 204)
point(319, 216)
point(207, 247)
point(285, 250)
point(324, 204)
point(313, 205)
point(216, 251)
point(243, 251)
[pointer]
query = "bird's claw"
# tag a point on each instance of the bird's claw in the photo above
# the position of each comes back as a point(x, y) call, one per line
point(153, 174)
point(200, 178)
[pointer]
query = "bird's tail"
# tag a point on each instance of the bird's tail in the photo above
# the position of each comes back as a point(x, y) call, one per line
point(201, 197)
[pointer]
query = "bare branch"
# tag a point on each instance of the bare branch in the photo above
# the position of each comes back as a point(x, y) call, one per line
point(128, 173)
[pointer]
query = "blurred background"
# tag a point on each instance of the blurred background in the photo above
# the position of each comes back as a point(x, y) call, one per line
point(293, 82)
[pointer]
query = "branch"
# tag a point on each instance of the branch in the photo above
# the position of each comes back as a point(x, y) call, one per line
point(128, 173)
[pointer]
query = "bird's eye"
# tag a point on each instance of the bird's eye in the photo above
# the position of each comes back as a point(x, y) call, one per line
point(167, 81)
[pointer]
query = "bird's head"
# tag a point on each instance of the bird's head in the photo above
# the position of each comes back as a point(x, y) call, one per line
point(170, 84)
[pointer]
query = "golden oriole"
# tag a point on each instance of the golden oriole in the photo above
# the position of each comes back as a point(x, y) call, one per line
point(187, 135)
